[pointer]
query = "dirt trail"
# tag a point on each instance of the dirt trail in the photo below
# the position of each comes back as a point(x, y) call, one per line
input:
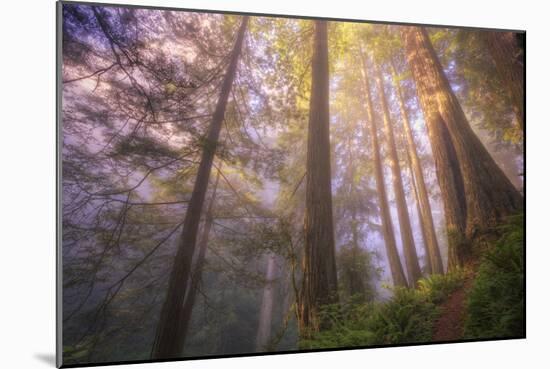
point(450, 326)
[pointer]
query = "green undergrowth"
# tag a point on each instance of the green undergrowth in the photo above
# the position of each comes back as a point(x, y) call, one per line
point(407, 317)
point(495, 304)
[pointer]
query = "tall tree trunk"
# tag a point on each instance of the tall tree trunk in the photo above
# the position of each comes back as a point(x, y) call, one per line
point(199, 263)
point(319, 280)
point(421, 192)
point(396, 268)
point(407, 239)
point(488, 193)
point(427, 261)
point(355, 273)
point(266, 311)
point(169, 337)
point(508, 58)
point(445, 157)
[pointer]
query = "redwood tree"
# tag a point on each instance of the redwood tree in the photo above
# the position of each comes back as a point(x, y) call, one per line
point(476, 193)
point(396, 268)
point(319, 285)
point(409, 249)
point(266, 310)
point(427, 261)
point(421, 192)
point(199, 263)
point(169, 336)
point(507, 56)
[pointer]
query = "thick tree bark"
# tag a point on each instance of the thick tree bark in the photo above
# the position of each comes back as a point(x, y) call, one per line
point(199, 263)
point(421, 192)
point(319, 279)
point(407, 239)
point(169, 337)
point(483, 193)
point(396, 268)
point(508, 58)
point(446, 162)
point(266, 311)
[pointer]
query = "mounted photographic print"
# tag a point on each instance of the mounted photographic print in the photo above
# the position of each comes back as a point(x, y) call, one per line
point(238, 184)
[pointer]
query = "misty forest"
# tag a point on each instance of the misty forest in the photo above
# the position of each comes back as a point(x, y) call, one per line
point(238, 184)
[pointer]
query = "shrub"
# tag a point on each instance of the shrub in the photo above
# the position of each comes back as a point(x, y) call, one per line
point(496, 301)
point(407, 317)
point(437, 287)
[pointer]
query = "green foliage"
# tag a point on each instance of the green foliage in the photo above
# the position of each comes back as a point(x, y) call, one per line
point(481, 92)
point(496, 300)
point(142, 147)
point(407, 317)
point(357, 273)
point(438, 286)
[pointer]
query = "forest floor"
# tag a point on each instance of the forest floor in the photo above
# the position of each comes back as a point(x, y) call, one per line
point(450, 325)
point(484, 299)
